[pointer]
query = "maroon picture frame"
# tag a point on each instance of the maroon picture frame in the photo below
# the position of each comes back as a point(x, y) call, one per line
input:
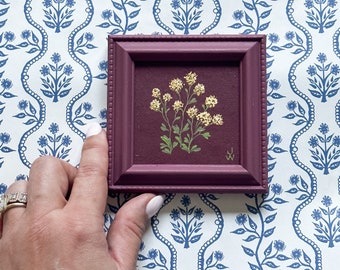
point(234, 66)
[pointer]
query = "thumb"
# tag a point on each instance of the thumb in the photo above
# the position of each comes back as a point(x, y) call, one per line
point(130, 223)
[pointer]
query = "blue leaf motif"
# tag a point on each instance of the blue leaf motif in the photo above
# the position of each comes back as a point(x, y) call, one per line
point(294, 265)
point(196, 238)
point(269, 232)
point(270, 218)
point(221, 266)
point(6, 149)
point(248, 6)
point(150, 266)
point(252, 209)
point(268, 250)
point(178, 239)
point(282, 257)
point(248, 251)
point(239, 231)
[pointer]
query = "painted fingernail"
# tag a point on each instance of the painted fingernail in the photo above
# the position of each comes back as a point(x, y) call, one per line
point(154, 205)
point(93, 129)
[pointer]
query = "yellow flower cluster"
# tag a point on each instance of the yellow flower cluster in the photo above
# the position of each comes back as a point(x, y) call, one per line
point(210, 101)
point(177, 105)
point(192, 112)
point(190, 78)
point(217, 120)
point(205, 118)
point(156, 93)
point(155, 105)
point(199, 89)
point(167, 97)
point(176, 85)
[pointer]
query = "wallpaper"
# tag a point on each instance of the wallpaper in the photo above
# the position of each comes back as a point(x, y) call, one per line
point(53, 71)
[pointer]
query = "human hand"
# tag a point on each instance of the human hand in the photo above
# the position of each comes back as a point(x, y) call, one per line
point(62, 225)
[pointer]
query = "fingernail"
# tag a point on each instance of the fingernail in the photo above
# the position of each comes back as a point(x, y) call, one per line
point(154, 205)
point(93, 129)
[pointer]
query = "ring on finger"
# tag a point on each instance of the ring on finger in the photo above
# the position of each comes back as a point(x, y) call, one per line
point(8, 201)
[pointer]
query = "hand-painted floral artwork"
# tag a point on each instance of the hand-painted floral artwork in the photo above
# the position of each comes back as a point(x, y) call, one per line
point(184, 120)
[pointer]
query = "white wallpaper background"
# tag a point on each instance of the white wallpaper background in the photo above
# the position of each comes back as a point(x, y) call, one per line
point(53, 69)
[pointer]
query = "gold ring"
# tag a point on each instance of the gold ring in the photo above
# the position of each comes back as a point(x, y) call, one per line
point(8, 201)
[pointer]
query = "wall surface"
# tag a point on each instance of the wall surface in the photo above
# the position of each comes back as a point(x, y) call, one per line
point(53, 71)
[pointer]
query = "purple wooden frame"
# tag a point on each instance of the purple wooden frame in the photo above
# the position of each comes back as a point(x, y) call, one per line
point(250, 176)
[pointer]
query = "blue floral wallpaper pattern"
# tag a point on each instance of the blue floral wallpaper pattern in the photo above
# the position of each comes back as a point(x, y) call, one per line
point(53, 70)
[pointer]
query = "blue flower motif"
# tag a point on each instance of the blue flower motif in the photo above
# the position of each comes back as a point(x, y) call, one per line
point(45, 70)
point(26, 34)
point(42, 141)
point(87, 106)
point(276, 189)
point(175, 214)
point(279, 245)
point(296, 254)
point(153, 253)
point(322, 58)
point(5, 137)
point(274, 38)
point(218, 255)
point(88, 36)
point(21, 177)
point(47, 3)
point(309, 4)
point(311, 70)
point(175, 4)
point(198, 213)
point(9, 36)
point(324, 128)
point(55, 58)
point(290, 35)
point(335, 69)
point(198, 3)
point(3, 188)
point(332, 3)
point(313, 141)
point(238, 15)
point(185, 201)
point(316, 214)
point(326, 201)
point(276, 138)
point(103, 65)
point(54, 128)
point(241, 219)
point(22, 105)
point(6, 83)
point(106, 14)
point(70, 3)
point(274, 84)
point(291, 105)
point(294, 179)
point(68, 70)
point(336, 141)
point(66, 140)
point(103, 114)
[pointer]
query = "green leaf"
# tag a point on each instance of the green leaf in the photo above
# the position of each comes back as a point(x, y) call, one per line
point(164, 128)
point(206, 135)
point(195, 148)
point(166, 139)
point(175, 128)
point(186, 127)
point(191, 101)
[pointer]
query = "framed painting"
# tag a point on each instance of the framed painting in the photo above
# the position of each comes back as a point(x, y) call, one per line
point(187, 113)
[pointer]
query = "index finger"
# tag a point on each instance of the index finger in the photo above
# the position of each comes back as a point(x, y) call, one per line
point(89, 191)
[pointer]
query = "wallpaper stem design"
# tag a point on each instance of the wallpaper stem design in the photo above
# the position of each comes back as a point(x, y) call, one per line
point(39, 51)
point(293, 147)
